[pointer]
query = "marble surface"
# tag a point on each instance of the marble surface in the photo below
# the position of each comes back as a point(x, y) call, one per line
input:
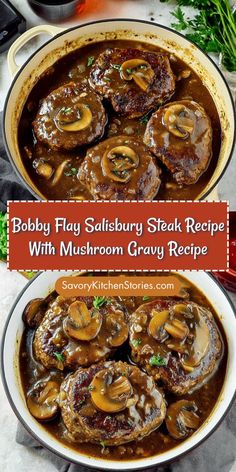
point(97, 9)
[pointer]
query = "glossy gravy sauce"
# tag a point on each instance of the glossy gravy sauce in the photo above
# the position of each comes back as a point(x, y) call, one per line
point(158, 441)
point(74, 67)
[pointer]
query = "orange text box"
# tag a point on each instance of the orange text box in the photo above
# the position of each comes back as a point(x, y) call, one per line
point(117, 235)
point(120, 285)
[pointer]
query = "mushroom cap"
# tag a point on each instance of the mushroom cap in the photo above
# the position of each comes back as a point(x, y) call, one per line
point(139, 70)
point(78, 119)
point(81, 323)
point(117, 162)
point(182, 419)
point(110, 393)
point(180, 120)
point(42, 400)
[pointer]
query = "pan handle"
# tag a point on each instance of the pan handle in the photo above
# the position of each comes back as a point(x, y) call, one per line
point(23, 39)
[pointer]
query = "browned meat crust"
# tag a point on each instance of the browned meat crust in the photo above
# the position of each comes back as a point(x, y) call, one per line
point(169, 361)
point(186, 158)
point(85, 423)
point(69, 98)
point(51, 339)
point(127, 97)
point(144, 180)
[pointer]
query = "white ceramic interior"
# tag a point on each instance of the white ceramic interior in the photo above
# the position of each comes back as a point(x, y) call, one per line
point(69, 40)
point(39, 287)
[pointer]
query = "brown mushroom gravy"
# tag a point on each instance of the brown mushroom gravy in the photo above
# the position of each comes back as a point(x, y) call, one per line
point(111, 401)
point(86, 98)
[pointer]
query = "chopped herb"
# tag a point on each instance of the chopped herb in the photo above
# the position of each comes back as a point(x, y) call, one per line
point(72, 171)
point(90, 387)
point(129, 71)
point(116, 66)
point(98, 302)
point(30, 274)
point(145, 298)
point(107, 79)
point(103, 444)
point(136, 342)
point(59, 357)
point(67, 110)
point(157, 361)
point(144, 120)
point(90, 60)
point(3, 235)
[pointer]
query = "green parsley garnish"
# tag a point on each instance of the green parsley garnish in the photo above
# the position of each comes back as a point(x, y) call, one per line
point(144, 120)
point(3, 235)
point(98, 302)
point(116, 66)
point(106, 79)
point(136, 342)
point(157, 361)
point(30, 274)
point(90, 387)
point(129, 71)
point(145, 298)
point(71, 172)
point(90, 60)
point(213, 27)
point(103, 444)
point(59, 357)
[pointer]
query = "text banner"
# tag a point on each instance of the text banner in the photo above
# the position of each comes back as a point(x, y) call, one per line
point(117, 235)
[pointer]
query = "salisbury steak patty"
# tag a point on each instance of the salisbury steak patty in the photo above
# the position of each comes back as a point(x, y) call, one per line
point(177, 342)
point(112, 403)
point(74, 333)
point(180, 135)
point(120, 168)
point(70, 116)
point(135, 81)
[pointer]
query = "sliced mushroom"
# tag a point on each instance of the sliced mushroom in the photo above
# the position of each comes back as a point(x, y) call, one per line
point(182, 419)
point(74, 119)
point(44, 169)
point(138, 70)
point(177, 329)
point(118, 329)
point(177, 347)
point(81, 323)
point(117, 163)
point(42, 400)
point(32, 311)
point(156, 325)
point(35, 309)
point(183, 309)
point(59, 172)
point(199, 346)
point(179, 120)
point(110, 395)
